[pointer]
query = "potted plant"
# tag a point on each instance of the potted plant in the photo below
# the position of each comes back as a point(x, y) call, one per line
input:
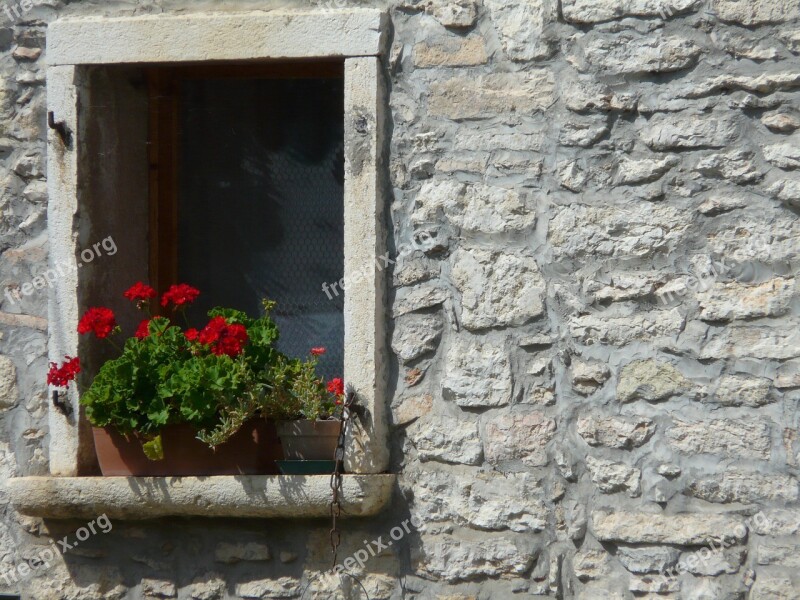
point(308, 414)
point(183, 401)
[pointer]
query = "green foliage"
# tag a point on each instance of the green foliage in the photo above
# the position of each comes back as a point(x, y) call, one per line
point(298, 393)
point(153, 449)
point(166, 378)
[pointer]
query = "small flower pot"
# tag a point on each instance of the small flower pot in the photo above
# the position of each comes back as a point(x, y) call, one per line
point(253, 450)
point(309, 440)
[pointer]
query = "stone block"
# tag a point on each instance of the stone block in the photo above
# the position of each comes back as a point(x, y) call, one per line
point(645, 170)
point(8, 383)
point(659, 528)
point(783, 555)
point(774, 587)
point(587, 377)
point(621, 327)
point(734, 438)
point(628, 54)
point(280, 587)
point(726, 301)
point(688, 132)
point(650, 380)
point(736, 166)
point(412, 408)
point(474, 207)
point(415, 335)
point(98, 40)
point(611, 477)
point(455, 14)
point(647, 559)
point(711, 563)
point(497, 288)
point(784, 155)
point(451, 51)
point(776, 521)
point(521, 27)
point(739, 390)
point(755, 12)
point(746, 487)
point(242, 552)
point(752, 341)
point(623, 433)
point(599, 11)
point(454, 559)
point(448, 440)
point(487, 96)
point(591, 565)
point(519, 436)
point(616, 231)
point(477, 374)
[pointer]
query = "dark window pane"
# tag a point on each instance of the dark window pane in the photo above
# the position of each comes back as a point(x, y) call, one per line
point(261, 204)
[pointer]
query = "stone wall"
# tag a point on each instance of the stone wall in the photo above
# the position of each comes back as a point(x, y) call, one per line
point(594, 314)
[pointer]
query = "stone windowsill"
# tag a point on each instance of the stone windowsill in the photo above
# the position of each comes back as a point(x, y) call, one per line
point(261, 496)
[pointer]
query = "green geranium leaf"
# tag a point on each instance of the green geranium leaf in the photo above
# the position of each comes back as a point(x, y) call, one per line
point(153, 449)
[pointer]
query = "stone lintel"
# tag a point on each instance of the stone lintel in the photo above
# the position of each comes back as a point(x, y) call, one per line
point(201, 37)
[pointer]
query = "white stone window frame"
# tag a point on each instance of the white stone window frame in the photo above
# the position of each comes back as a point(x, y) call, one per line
point(358, 37)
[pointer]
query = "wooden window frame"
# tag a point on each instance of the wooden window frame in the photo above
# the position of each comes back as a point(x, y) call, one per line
point(164, 90)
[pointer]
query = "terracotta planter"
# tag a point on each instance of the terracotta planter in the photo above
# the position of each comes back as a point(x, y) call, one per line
point(253, 450)
point(309, 440)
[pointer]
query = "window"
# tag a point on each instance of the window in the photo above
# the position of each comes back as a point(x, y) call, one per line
point(116, 178)
point(247, 194)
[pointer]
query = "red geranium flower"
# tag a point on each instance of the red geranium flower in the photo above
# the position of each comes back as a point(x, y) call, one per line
point(231, 341)
point(191, 334)
point(336, 386)
point(223, 338)
point(139, 292)
point(317, 351)
point(211, 332)
point(143, 331)
point(99, 321)
point(179, 294)
point(61, 376)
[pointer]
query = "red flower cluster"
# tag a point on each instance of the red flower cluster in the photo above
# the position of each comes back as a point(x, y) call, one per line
point(143, 331)
point(179, 295)
point(336, 386)
point(100, 321)
point(317, 351)
point(211, 332)
point(61, 376)
point(192, 334)
point(223, 338)
point(139, 292)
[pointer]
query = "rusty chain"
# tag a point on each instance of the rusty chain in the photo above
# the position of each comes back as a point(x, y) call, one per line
point(336, 476)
